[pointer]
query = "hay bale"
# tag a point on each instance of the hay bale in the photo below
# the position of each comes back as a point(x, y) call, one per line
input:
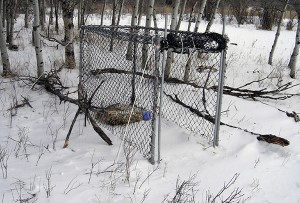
point(119, 114)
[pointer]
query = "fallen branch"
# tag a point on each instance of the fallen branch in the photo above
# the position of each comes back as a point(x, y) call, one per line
point(240, 92)
point(52, 84)
point(25, 102)
point(208, 117)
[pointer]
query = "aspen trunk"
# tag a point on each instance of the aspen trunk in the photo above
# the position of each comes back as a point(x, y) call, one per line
point(200, 14)
point(181, 15)
point(149, 17)
point(191, 16)
point(51, 12)
point(120, 12)
point(102, 13)
point(12, 23)
point(141, 4)
point(42, 14)
point(3, 49)
point(37, 41)
point(56, 5)
point(26, 13)
point(68, 14)
point(293, 59)
point(170, 54)
point(133, 23)
point(277, 33)
point(213, 16)
point(113, 23)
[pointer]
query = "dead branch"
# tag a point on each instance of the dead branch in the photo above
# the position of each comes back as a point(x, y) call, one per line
point(52, 84)
point(208, 117)
point(240, 92)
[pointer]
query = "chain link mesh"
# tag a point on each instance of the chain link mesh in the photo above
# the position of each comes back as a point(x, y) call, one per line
point(125, 63)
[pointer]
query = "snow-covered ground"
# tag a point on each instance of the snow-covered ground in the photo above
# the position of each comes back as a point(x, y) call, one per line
point(31, 139)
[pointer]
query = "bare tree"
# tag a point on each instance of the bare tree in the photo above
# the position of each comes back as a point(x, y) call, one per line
point(103, 10)
point(172, 27)
point(120, 11)
point(42, 13)
point(277, 32)
point(213, 16)
point(149, 17)
point(181, 14)
point(239, 10)
point(12, 9)
point(37, 41)
point(294, 56)
point(4, 55)
point(191, 16)
point(68, 14)
point(56, 5)
point(51, 12)
point(200, 14)
point(26, 13)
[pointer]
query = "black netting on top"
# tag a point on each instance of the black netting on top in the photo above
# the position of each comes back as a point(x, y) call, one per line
point(127, 62)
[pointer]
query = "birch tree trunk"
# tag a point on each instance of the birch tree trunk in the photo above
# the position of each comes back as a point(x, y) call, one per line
point(7, 16)
point(113, 23)
point(200, 14)
point(141, 4)
point(191, 16)
point(26, 13)
point(37, 41)
point(42, 14)
point(3, 49)
point(68, 14)
point(79, 13)
point(181, 15)
point(102, 13)
point(56, 5)
point(293, 59)
point(172, 27)
point(2, 10)
point(51, 12)
point(277, 32)
point(12, 23)
point(149, 17)
point(213, 16)
point(133, 23)
point(120, 11)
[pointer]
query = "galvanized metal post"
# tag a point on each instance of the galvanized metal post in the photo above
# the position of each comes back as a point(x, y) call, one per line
point(162, 91)
point(155, 102)
point(220, 92)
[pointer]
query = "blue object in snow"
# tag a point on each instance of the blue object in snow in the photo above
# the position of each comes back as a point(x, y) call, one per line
point(147, 115)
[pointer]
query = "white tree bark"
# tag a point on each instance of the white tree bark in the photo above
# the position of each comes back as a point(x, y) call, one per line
point(172, 27)
point(277, 32)
point(120, 12)
point(141, 4)
point(103, 10)
point(26, 13)
point(181, 15)
point(37, 41)
point(3, 49)
point(12, 23)
point(213, 16)
point(68, 14)
point(191, 16)
point(133, 23)
point(293, 59)
point(200, 14)
point(149, 17)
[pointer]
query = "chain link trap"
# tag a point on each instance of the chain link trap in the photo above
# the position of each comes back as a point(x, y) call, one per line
point(134, 75)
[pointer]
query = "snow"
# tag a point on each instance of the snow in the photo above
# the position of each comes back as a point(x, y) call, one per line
point(34, 136)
